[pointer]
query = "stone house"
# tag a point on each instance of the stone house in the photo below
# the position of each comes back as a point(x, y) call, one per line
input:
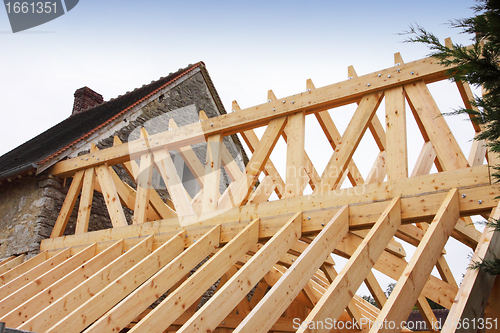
point(30, 198)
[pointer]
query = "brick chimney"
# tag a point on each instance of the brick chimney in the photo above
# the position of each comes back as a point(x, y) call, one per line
point(85, 98)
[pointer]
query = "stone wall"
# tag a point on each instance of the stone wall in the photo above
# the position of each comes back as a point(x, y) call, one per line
point(29, 207)
point(28, 211)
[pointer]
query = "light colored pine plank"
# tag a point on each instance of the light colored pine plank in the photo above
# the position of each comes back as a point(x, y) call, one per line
point(68, 204)
point(375, 289)
point(316, 100)
point(111, 198)
point(427, 314)
point(259, 293)
point(190, 158)
point(277, 300)
point(127, 197)
point(378, 171)
point(395, 117)
point(144, 187)
point(32, 274)
point(175, 304)
point(159, 207)
point(296, 176)
point(477, 152)
point(425, 160)
point(252, 142)
point(11, 263)
point(415, 275)
point(237, 193)
point(445, 271)
point(374, 126)
point(393, 266)
point(263, 191)
point(23, 268)
point(45, 280)
point(334, 137)
point(55, 291)
point(448, 152)
point(228, 297)
point(82, 222)
point(339, 293)
point(350, 140)
point(211, 191)
point(352, 308)
point(114, 292)
point(178, 193)
point(476, 285)
point(65, 305)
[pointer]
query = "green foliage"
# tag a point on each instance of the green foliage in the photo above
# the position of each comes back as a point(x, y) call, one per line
point(370, 300)
point(479, 65)
point(491, 267)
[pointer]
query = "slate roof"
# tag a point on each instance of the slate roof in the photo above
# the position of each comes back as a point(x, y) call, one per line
point(62, 136)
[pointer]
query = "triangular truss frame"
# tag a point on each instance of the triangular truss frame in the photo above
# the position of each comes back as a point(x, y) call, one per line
point(270, 261)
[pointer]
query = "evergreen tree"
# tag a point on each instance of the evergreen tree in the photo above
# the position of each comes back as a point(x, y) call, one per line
point(479, 66)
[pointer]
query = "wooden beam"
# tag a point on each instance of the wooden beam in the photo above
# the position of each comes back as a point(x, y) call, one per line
point(375, 289)
point(427, 314)
point(277, 300)
point(477, 152)
point(263, 191)
point(178, 193)
point(105, 299)
point(131, 167)
point(316, 100)
point(415, 275)
point(175, 304)
point(68, 204)
point(259, 293)
point(237, 193)
point(32, 274)
point(211, 190)
point(111, 198)
point(295, 155)
point(448, 152)
point(395, 116)
point(11, 262)
point(425, 160)
point(43, 281)
point(393, 266)
point(475, 288)
point(83, 292)
point(379, 170)
point(374, 126)
point(189, 156)
point(144, 186)
point(350, 140)
point(253, 142)
point(59, 288)
point(82, 222)
point(226, 299)
point(415, 207)
point(23, 268)
point(352, 309)
point(334, 137)
point(339, 293)
point(445, 271)
point(155, 200)
point(127, 197)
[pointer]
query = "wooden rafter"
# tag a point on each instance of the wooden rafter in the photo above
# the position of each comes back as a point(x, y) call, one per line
point(277, 250)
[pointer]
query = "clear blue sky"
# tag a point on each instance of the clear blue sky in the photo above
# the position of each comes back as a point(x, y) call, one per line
point(248, 47)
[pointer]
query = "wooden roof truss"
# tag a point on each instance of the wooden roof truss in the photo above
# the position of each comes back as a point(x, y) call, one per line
point(269, 262)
